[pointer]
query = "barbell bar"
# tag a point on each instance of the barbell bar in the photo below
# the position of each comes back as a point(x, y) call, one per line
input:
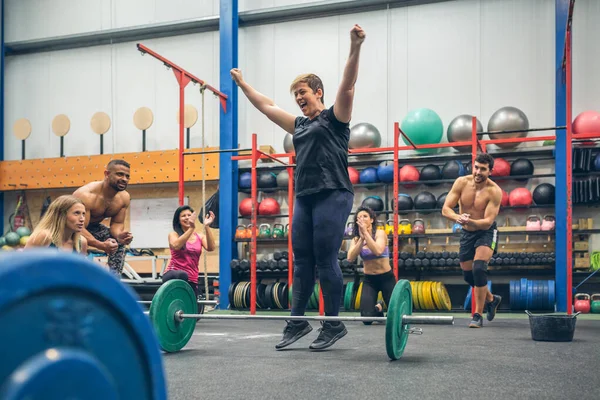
point(173, 316)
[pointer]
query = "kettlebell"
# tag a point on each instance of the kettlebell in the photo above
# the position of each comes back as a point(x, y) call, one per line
point(595, 307)
point(456, 227)
point(418, 227)
point(248, 231)
point(240, 232)
point(582, 303)
point(549, 223)
point(349, 228)
point(380, 226)
point(264, 231)
point(404, 227)
point(389, 227)
point(533, 223)
point(277, 231)
point(287, 230)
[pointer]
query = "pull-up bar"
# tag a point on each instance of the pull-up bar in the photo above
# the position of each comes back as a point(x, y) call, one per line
point(183, 78)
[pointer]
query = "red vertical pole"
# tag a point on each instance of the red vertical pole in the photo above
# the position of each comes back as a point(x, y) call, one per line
point(395, 201)
point(569, 167)
point(253, 195)
point(474, 140)
point(290, 171)
point(183, 80)
point(321, 305)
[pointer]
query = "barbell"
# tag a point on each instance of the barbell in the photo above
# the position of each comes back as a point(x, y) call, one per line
point(173, 315)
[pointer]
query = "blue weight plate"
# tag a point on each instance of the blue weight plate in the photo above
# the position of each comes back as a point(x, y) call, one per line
point(512, 294)
point(517, 295)
point(545, 293)
point(533, 305)
point(536, 295)
point(467, 305)
point(54, 303)
point(529, 294)
point(523, 296)
point(552, 297)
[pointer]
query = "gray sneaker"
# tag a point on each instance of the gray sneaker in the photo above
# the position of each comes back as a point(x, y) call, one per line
point(492, 307)
point(477, 321)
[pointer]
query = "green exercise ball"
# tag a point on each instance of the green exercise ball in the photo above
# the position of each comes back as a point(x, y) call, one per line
point(23, 231)
point(2, 241)
point(12, 238)
point(422, 126)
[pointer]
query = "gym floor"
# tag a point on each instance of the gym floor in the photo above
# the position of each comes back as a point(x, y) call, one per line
point(237, 360)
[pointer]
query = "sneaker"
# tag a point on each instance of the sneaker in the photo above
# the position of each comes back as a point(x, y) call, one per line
point(477, 321)
point(328, 335)
point(492, 307)
point(292, 332)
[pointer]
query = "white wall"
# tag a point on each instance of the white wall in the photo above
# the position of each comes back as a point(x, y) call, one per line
point(586, 57)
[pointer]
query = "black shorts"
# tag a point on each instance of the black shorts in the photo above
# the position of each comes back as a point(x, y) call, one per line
point(470, 241)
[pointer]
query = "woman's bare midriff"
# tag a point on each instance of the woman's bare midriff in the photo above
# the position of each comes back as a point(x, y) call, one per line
point(377, 266)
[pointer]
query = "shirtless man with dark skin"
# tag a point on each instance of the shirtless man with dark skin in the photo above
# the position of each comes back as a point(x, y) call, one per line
point(108, 199)
point(479, 199)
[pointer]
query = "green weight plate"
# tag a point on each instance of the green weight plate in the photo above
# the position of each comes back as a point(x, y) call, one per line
point(348, 296)
point(396, 334)
point(316, 294)
point(172, 296)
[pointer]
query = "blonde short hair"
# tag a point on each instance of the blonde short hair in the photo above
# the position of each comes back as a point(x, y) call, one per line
point(313, 82)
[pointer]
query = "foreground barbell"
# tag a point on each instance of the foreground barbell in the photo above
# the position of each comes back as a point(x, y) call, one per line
point(173, 315)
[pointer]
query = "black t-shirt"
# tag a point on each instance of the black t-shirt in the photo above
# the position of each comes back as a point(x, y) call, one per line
point(321, 147)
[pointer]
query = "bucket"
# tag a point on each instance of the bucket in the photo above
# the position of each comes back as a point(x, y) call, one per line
point(552, 327)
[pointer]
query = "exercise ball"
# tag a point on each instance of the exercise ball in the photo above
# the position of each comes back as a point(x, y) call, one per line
point(288, 143)
point(597, 162)
point(405, 203)
point(374, 203)
point(283, 179)
point(354, 175)
point(364, 136)
point(431, 172)
point(422, 126)
point(23, 240)
point(12, 238)
point(543, 194)
point(501, 167)
point(408, 173)
point(453, 169)
point(505, 200)
point(460, 129)
point(246, 207)
point(587, 122)
point(266, 180)
point(369, 175)
point(441, 200)
point(520, 197)
point(425, 201)
point(23, 231)
point(468, 170)
point(385, 171)
point(521, 166)
point(508, 119)
point(2, 241)
point(269, 206)
point(245, 180)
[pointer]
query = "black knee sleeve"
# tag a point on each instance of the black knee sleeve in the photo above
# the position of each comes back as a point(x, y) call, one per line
point(468, 275)
point(480, 273)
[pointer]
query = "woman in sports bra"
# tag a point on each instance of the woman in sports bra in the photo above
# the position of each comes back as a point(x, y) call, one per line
point(186, 246)
point(61, 226)
point(371, 244)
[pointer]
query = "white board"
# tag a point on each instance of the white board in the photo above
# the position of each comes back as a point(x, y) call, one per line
point(151, 220)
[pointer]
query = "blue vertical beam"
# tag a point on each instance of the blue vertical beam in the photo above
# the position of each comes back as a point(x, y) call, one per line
point(2, 106)
point(561, 12)
point(228, 171)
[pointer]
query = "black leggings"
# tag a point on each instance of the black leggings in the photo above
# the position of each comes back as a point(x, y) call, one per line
point(372, 285)
point(317, 235)
point(174, 274)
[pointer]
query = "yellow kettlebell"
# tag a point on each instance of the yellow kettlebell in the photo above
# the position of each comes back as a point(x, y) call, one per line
point(404, 227)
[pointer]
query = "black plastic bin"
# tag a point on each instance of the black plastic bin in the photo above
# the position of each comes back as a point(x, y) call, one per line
point(552, 327)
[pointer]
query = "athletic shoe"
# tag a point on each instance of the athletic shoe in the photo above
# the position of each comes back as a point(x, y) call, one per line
point(477, 321)
point(293, 331)
point(328, 335)
point(492, 307)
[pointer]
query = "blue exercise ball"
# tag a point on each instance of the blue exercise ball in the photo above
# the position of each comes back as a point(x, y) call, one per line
point(369, 175)
point(245, 180)
point(385, 171)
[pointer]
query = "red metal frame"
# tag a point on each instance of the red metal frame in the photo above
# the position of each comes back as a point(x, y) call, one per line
point(183, 78)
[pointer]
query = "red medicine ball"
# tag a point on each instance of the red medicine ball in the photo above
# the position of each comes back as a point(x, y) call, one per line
point(501, 167)
point(520, 197)
point(246, 207)
point(505, 202)
point(269, 206)
point(409, 173)
point(354, 175)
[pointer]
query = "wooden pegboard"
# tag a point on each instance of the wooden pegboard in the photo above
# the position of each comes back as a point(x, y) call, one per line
point(69, 172)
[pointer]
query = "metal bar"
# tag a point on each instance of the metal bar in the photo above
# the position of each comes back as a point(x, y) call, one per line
point(407, 138)
point(406, 319)
point(474, 143)
point(517, 140)
point(552, 128)
point(569, 168)
point(190, 153)
point(22, 149)
point(101, 144)
point(253, 195)
point(187, 138)
point(177, 69)
point(205, 24)
point(582, 136)
point(199, 302)
point(260, 153)
point(144, 140)
point(182, 80)
point(62, 146)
